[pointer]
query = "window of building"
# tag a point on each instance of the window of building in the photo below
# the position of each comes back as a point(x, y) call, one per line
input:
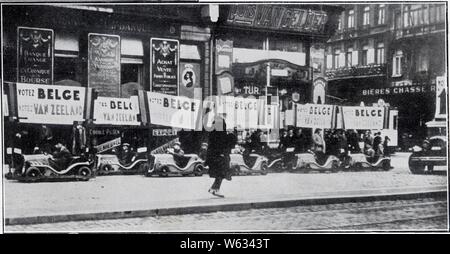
point(132, 66)
point(413, 15)
point(366, 16)
point(381, 14)
point(66, 56)
point(348, 57)
point(422, 59)
point(397, 63)
point(436, 13)
point(351, 19)
point(380, 53)
point(340, 22)
point(364, 54)
point(336, 57)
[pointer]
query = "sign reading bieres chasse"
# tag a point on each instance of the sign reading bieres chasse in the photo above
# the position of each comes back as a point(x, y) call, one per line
point(104, 64)
point(116, 111)
point(364, 118)
point(50, 104)
point(164, 66)
point(174, 111)
point(35, 55)
point(316, 116)
point(277, 18)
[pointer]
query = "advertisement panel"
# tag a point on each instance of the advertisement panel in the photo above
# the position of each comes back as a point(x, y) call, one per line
point(363, 118)
point(104, 64)
point(316, 116)
point(190, 79)
point(164, 67)
point(116, 111)
point(441, 97)
point(35, 55)
point(174, 111)
point(50, 104)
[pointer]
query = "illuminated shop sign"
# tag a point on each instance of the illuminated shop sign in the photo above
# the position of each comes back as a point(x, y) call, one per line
point(277, 17)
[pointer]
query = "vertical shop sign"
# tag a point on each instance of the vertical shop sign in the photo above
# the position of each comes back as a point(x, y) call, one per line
point(223, 64)
point(164, 66)
point(104, 64)
point(441, 97)
point(35, 55)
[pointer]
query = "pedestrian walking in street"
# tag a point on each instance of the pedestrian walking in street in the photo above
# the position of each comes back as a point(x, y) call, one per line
point(386, 146)
point(220, 144)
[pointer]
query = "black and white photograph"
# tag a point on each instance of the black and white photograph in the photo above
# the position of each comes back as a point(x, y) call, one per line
point(224, 117)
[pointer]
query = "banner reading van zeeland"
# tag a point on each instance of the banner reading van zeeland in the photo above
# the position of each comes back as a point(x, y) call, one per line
point(174, 111)
point(363, 118)
point(116, 111)
point(316, 116)
point(49, 104)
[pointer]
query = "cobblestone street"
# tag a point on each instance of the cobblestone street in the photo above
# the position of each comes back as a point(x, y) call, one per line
point(413, 215)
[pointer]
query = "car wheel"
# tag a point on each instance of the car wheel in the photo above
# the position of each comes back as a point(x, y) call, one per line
point(386, 165)
point(164, 171)
point(33, 173)
point(416, 168)
point(198, 170)
point(106, 168)
point(84, 171)
point(430, 168)
point(335, 167)
point(264, 168)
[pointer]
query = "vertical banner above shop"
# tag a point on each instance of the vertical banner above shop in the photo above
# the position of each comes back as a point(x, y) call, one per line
point(364, 118)
point(50, 104)
point(116, 111)
point(441, 97)
point(104, 64)
point(174, 111)
point(223, 64)
point(189, 79)
point(164, 66)
point(35, 55)
point(316, 116)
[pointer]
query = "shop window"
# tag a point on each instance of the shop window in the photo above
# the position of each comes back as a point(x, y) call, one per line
point(380, 53)
point(351, 19)
point(397, 64)
point(66, 55)
point(65, 68)
point(247, 50)
point(285, 45)
point(366, 16)
point(381, 19)
point(132, 66)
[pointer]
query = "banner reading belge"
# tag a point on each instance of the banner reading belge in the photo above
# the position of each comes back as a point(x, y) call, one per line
point(363, 118)
point(316, 116)
point(50, 104)
point(174, 111)
point(116, 111)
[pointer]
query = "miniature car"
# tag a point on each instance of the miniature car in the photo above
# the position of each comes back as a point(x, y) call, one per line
point(359, 161)
point(109, 164)
point(36, 167)
point(307, 162)
point(431, 153)
point(165, 165)
point(255, 164)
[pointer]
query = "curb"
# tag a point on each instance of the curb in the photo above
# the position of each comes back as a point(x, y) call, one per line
point(440, 192)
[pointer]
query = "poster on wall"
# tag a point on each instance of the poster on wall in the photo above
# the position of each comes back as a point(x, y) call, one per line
point(174, 111)
point(116, 111)
point(50, 104)
point(316, 116)
point(441, 97)
point(5, 104)
point(189, 79)
point(223, 65)
point(164, 67)
point(104, 64)
point(319, 91)
point(363, 118)
point(35, 55)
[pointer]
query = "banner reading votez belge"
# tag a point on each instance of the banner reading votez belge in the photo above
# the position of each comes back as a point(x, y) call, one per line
point(316, 116)
point(174, 111)
point(49, 104)
point(363, 118)
point(116, 111)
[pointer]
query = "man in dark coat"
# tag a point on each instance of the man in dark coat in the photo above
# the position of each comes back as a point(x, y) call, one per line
point(61, 157)
point(220, 144)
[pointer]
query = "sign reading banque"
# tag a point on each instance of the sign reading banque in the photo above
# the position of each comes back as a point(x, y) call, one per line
point(116, 111)
point(164, 66)
point(50, 104)
point(35, 55)
point(104, 64)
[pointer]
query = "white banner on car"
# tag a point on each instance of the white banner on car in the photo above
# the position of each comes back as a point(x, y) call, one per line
point(50, 104)
point(116, 111)
point(316, 116)
point(174, 111)
point(363, 118)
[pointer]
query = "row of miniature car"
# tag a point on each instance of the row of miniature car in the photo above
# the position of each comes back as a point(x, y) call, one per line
point(37, 168)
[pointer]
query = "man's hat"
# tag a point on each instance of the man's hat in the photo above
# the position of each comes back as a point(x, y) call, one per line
point(125, 144)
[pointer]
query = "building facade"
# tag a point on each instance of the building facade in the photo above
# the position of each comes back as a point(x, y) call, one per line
point(390, 54)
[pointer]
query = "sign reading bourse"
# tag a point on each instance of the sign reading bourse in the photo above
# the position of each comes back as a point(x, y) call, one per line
point(104, 64)
point(49, 104)
point(277, 18)
point(164, 68)
point(116, 111)
point(35, 55)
